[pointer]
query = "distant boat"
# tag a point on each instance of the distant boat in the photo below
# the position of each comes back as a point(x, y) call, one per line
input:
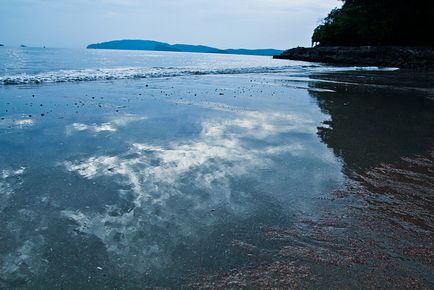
point(2, 44)
point(22, 45)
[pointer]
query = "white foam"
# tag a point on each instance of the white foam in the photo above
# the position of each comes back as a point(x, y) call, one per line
point(125, 73)
point(158, 72)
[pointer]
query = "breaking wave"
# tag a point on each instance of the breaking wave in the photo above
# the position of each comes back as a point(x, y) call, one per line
point(144, 73)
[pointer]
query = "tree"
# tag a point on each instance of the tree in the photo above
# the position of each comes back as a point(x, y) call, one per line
point(387, 22)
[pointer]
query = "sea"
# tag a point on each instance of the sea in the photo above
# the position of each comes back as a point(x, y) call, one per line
point(142, 170)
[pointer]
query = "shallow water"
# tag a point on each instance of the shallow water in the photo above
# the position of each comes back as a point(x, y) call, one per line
point(221, 170)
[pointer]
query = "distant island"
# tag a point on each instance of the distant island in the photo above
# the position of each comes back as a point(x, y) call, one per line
point(382, 33)
point(162, 46)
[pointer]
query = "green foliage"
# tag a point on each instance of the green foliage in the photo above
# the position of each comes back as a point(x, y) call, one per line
point(387, 22)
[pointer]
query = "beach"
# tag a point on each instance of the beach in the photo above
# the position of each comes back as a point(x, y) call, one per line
point(144, 169)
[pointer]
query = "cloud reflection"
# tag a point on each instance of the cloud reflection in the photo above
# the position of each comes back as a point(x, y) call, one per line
point(22, 258)
point(16, 124)
point(9, 179)
point(163, 181)
point(112, 126)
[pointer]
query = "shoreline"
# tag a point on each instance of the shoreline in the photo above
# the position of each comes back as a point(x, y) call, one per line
point(420, 58)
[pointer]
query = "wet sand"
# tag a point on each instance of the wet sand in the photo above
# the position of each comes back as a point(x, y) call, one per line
point(301, 180)
point(381, 237)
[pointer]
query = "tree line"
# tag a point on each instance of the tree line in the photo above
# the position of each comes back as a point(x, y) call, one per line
point(385, 22)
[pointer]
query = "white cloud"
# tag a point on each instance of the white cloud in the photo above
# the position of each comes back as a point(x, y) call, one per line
point(11, 122)
point(7, 187)
point(23, 257)
point(17, 264)
point(225, 23)
point(104, 127)
point(24, 122)
point(153, 176)
point(220, 141)
point(6, 173)
point(112, 126)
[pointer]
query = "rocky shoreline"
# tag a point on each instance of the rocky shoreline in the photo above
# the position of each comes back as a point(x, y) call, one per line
point(385, 56)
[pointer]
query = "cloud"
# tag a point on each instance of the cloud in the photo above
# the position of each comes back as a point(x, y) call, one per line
point(220, 141)
point(9, 180)
point(24, 260)
point(105, 127)
point(11, 122)
point(6, 173)
point(225, 23)
point(23, 256)
point(24, 122)
point(176, 184)
point(112, 126)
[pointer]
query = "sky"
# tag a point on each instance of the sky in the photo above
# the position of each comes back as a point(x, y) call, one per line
point(220, 23)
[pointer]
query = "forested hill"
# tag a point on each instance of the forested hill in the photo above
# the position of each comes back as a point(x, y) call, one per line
point(373, 22)
point(162, 46)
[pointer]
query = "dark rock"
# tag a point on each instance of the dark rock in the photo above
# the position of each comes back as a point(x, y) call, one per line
point(390, 56)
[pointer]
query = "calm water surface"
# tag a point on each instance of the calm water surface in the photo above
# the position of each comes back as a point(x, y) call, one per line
point(148, 169)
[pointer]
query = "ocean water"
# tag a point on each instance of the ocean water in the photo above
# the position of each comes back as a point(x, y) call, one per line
point(39, 65)
point(129, 169)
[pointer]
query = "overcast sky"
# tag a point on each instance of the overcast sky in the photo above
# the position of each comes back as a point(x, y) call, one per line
point(220, 23)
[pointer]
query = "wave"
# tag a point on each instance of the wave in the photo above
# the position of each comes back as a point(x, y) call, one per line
point(125, 73)
point(144, 73)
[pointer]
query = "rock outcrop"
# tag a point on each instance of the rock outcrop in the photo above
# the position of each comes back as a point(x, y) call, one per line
point(385, 56)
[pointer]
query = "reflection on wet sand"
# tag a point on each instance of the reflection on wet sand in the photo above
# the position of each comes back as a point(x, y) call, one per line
point(380, 238)
point(111, 126)
point(281, 181)
point(371, 125)
point(161, 181)
point(381, 235)
point(387, 149)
